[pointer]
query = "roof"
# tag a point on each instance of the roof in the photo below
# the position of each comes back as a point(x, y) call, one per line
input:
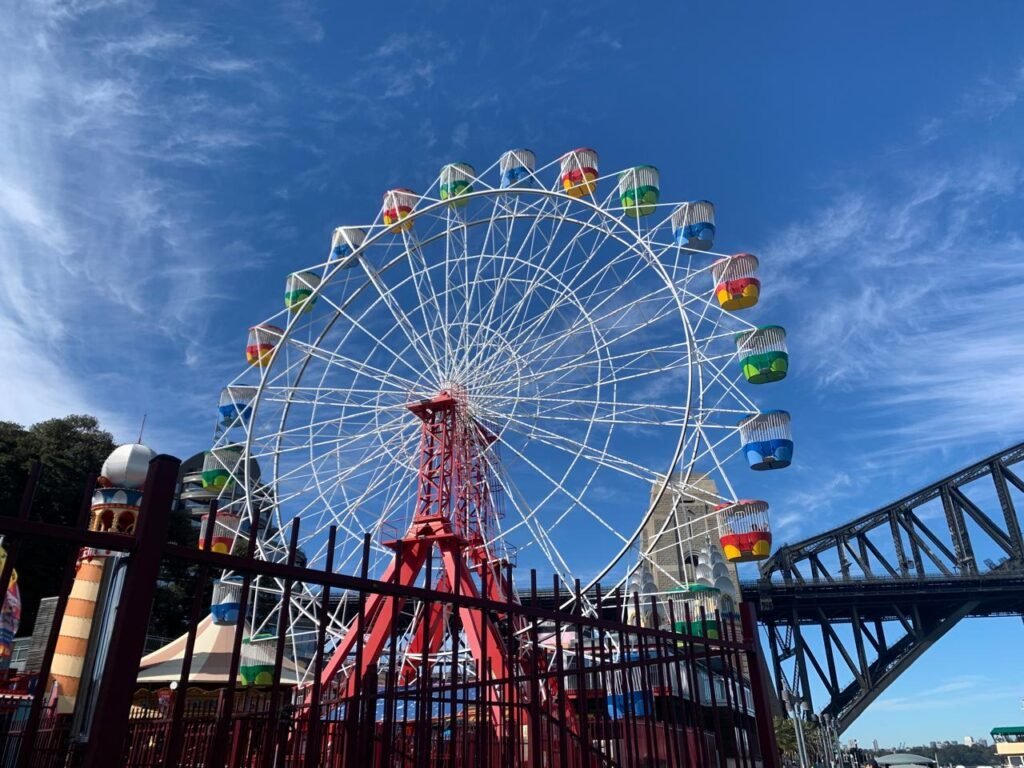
point(905, 759)
point(1008, 730)
point(211, 659)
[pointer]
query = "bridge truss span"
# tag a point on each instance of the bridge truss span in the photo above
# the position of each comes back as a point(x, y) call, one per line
point(848, 610)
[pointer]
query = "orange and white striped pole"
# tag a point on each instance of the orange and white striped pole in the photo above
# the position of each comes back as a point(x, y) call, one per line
point(75, 629)
point(115, 509)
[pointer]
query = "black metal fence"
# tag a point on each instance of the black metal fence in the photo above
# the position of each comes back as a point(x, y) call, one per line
point(587, 688)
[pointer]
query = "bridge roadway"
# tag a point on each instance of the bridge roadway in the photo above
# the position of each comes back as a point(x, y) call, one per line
point(883, 599)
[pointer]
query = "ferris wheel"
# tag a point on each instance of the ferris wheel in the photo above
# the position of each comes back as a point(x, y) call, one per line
point(574, 337)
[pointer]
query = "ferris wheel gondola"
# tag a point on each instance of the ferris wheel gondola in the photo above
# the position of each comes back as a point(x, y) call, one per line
point(579, 343)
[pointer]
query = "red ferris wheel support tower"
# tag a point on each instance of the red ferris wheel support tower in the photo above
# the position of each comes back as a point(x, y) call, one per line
point(454, 507)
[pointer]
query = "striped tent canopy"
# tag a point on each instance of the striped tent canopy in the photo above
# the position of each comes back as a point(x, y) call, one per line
point(211, 660)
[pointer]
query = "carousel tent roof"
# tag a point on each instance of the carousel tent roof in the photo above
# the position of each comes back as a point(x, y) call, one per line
point(211, 659)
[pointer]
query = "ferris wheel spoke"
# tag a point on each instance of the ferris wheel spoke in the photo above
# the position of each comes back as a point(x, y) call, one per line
point(571, 289)
point(349, 475)
point(535, 257)
point(357, 367)
point(484, 318)
point(721, 380)
point(659, 359)
point(470, 287)
point(355, 323)
point(614, 378)
point(571, 294)
point(352, 527)
point(548, 350)
point(540, 353)
point(336, 450)
point(350, 544)
point(712, 454)
point(586, 411)
point(604, 458)
point(427, 297)
point(553, 304)
point(278, 445)
point(339, 412)
point(528, 520)
point(402, 320)
point(282, 391)
point(401, 439)
point(592, 378)
point(456, 233)
point(563, 491)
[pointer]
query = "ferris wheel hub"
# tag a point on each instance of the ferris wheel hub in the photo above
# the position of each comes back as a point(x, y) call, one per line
point(424, 408)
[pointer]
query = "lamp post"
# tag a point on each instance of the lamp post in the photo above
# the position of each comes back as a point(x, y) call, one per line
point(831, 737)
point(823, 744)
point(803, 713)
point(793, 709)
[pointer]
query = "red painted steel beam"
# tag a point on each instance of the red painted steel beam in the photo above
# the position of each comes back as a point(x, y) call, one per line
point(436, 619)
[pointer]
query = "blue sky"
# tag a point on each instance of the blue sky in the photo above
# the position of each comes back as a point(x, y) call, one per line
point(161, 172)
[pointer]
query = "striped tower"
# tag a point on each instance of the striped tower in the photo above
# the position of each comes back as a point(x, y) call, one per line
point(115, 509)
point(75, 628)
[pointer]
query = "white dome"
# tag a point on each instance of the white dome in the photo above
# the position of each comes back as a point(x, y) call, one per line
point(127, 466)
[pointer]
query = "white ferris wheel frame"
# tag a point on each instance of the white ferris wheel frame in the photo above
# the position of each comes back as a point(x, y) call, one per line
point(615, 228)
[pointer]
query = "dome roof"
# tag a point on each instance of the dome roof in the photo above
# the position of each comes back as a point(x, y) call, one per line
point(127, 466)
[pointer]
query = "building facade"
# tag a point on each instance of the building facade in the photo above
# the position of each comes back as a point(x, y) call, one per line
point(1009, 742)
point(682, 524)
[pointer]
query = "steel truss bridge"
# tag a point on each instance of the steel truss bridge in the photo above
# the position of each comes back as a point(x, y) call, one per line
point(857, 605)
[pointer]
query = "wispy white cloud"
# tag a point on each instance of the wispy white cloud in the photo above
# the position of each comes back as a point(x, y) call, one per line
point(917, 297)
point(953, 693)
point(152, 42)
point(904, 298)
point(105, 249)
point(992, 96)
point(301, 16)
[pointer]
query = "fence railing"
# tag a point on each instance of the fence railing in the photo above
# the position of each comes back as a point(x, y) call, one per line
point(584, 687)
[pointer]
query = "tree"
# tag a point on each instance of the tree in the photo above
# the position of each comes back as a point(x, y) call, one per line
point(177, 582)
point(785, 737)
point(69, 449)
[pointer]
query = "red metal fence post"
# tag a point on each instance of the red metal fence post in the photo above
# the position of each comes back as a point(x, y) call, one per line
point(758, 690)
point(128, 639)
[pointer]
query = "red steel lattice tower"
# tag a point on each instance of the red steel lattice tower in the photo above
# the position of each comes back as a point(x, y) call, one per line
point(453, 512)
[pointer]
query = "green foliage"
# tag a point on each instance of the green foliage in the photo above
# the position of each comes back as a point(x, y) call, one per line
point(177, 584)
point(70, 449)
point(785, 737)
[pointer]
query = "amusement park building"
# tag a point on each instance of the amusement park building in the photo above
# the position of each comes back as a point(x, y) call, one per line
point(678, 529)
point(1009, 741)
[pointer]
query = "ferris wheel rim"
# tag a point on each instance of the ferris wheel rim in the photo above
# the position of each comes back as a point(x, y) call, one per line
point(616, 226)
point(638, 247)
